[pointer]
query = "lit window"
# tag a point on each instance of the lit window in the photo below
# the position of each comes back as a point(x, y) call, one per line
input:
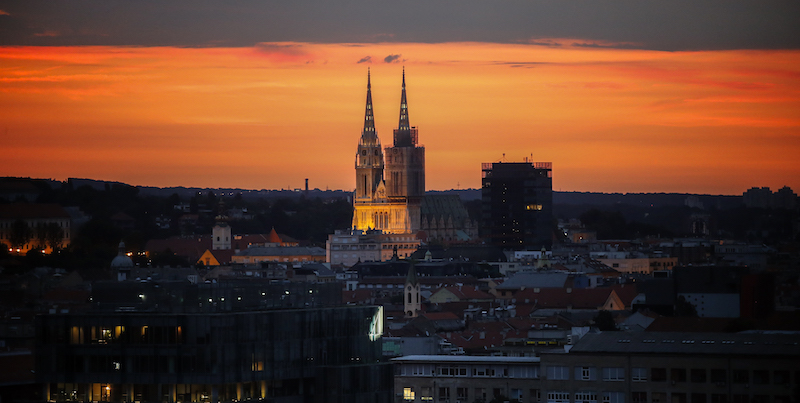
point(408, 394)
point(536, 207)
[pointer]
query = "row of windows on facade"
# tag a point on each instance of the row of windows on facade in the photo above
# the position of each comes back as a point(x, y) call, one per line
point(104, 392)
point(272, 361)
point(484, 394)
point(286, 259)
point(372, 247)
point(354, 247)
point(37, 246)
point(520, 371)
point(163, 335)
point(9, 224)
point(362, 285)
point(7, 235)
point(424, 394)
point(344, 255)
point(697, 375)
point(230, 392)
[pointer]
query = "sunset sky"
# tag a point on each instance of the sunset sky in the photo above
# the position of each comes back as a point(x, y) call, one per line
point(621, 96)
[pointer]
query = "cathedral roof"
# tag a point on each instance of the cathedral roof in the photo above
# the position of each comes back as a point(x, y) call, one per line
point(443, 206)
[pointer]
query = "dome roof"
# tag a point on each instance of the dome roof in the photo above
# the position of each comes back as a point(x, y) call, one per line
point(121, 260)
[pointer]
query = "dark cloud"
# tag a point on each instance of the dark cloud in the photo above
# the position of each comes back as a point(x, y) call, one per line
point(649, 24)
point(365, 59)
point(391, 58)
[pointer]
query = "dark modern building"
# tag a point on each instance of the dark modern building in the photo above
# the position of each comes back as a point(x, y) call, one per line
point(268, 342)
point(517, 205)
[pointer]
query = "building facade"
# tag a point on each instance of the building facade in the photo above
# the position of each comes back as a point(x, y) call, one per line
point(285, 254)
point(466, 379)
point(517, 205)
point(677, 367)
point(26, 226)
point(390, 186)
point(616, 367)
point(347, 248)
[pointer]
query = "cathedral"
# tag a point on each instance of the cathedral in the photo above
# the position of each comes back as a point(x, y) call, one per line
point(390, 183)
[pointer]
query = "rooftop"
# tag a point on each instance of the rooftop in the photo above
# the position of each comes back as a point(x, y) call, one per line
point(465, 359)
point(687, 343)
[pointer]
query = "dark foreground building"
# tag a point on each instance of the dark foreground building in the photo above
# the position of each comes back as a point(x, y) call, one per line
point(221, 352)
point(617, 367)
point(517, 205)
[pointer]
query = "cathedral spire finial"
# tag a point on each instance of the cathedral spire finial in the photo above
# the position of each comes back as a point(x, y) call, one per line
point(369, 118)
point(404, 124)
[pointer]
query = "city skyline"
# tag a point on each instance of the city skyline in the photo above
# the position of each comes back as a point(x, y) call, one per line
point(635, 109)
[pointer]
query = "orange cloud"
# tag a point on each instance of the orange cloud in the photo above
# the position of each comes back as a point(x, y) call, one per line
point(283, 52)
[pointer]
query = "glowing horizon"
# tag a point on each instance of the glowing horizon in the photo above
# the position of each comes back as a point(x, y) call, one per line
point(269, 116)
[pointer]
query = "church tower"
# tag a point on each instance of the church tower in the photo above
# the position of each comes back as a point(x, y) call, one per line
point(411, 299)
point(405, 165)
point(221, 233)
point(369, 157)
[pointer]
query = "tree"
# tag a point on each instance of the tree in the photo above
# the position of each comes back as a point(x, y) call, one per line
point(193, 205)
point(685, 308)
point(604, 321)
point(50, 234)
point(20, 234)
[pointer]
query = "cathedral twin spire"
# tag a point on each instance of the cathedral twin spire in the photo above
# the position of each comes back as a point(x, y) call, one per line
point(369, 118)
point(404, 125)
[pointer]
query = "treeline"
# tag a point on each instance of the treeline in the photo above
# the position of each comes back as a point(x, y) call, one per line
point(95, 239)
point(755, 225)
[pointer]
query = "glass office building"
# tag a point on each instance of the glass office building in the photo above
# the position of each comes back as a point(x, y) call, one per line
point(306, 350)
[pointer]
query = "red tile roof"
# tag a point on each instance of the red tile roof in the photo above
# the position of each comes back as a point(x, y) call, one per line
point(273, 236)
point(482, 340)
point(440, 316)
point(626, 292)
point(463, 292)
point(223, 256)
point(359, 295)
point(577, 298)
point(190, 247)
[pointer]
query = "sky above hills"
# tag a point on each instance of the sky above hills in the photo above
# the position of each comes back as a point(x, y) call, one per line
point(622, 96)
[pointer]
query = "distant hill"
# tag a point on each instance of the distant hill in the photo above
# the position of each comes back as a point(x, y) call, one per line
point(589, 199)
point(594, 199)
point(721, 202)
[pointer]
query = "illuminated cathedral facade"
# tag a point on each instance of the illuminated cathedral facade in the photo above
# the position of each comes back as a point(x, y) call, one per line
point(390, 182)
